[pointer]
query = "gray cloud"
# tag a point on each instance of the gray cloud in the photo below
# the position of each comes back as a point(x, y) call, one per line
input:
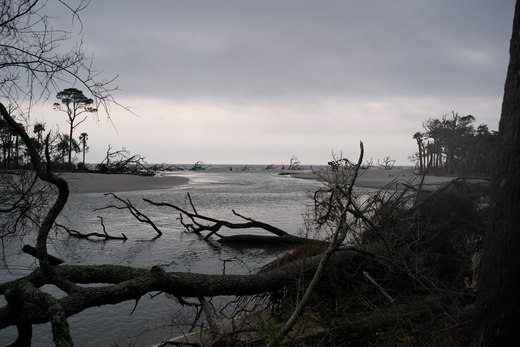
point(273, 49)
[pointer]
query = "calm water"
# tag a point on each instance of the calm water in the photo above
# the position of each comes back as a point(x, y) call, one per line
point(261, 195)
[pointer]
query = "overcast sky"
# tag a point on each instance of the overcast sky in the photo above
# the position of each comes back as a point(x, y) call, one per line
point(256, 82)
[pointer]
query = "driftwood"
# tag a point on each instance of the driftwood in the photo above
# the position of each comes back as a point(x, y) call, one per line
point(201, 223)
point(127, 205)
point(120, 161)
point(32, 251)
point(80, 235)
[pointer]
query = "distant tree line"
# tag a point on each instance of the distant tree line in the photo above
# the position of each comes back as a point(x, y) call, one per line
point(14, 153)
point(452, 145)
point(60, 146)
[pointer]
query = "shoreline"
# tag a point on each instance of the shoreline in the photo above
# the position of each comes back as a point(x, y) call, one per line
point(86, 182)
point(377, 179)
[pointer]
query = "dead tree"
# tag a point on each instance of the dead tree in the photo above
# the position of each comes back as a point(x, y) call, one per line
point(199, 224)
point(386, 163)
point(122, 162)
point(137, 214)
point(343, 199)
point(198, 166)
point(294, 164)
point(89, 236)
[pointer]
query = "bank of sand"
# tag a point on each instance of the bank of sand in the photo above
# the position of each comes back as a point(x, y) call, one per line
point(101, 183)
point(386, 178)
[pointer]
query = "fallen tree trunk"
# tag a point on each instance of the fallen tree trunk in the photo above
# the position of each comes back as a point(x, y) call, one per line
point(264, 240)
point(129, 283)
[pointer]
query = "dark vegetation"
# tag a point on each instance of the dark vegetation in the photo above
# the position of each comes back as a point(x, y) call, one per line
point(452, 145)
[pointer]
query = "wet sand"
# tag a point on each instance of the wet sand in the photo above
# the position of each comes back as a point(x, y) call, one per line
point(101, 183)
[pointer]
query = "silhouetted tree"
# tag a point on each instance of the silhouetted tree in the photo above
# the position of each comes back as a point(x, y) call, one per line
point(386, 163)
point(74, 103)
point(5, 142)
point(452, 145)
point(83, 140)
point(420, 154)
point(38, 129)
point(10, 144)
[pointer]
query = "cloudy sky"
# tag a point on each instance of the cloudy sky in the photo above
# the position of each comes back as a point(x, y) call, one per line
point(260, 81)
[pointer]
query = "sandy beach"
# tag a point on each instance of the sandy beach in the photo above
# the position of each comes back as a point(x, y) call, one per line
point(101, 183)
point(391, 178)
point(381, 178)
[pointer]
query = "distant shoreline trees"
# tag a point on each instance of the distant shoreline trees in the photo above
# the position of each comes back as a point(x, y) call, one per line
point(13, 152)
point(452, 145)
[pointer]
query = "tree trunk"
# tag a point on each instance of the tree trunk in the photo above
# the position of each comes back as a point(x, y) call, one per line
point(498, 305)
point(421, 155)
point(84, 155)
point(70, 144)
point(16, 152)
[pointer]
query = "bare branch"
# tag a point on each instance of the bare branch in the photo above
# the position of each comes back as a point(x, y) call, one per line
point(338, 237)
point(80, 235)
point(127, 205)
point(216, 224)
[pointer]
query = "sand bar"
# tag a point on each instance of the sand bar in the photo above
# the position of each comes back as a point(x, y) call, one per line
point(382, 178)
point(101, 183)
